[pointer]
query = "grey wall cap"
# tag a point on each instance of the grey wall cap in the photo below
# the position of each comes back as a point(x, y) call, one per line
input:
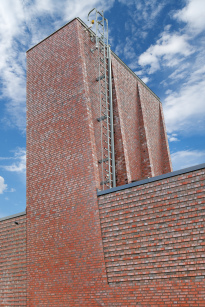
point(153, 179)
point(12, 216)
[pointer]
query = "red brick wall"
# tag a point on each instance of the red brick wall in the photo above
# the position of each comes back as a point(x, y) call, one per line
point(64, 246)
point(155, 232)
point(13, 261)
point(142, 126)
point(141, 143)
point(66, 259)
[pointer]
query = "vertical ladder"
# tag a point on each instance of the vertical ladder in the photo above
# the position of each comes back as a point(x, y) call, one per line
point(105, 119)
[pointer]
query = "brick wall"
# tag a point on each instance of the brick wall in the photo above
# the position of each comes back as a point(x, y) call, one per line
point(144, 139)
point(155, 232)
point(67, 263)
point(13, 261)
point(64, 246)
point(141, 147)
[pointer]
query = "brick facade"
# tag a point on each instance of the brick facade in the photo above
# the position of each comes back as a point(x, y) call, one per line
point(155, 231)
point(13, 261)
point(136, 245)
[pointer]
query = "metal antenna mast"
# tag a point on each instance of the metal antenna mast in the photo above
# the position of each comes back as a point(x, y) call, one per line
point(105, 119)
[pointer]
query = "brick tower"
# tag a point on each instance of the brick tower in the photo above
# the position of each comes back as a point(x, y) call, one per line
point(65, 260)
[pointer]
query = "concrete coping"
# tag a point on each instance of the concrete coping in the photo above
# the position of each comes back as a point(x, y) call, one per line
point(153, 179)
point(12, 216)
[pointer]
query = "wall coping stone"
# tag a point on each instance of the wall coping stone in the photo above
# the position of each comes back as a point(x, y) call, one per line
point(152, 179)
point(12, 216)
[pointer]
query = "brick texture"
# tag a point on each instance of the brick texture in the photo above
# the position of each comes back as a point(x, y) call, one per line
point(156, 230)
point(69, 251)
point(144, 139)
point(13, 262)
point(141, 143)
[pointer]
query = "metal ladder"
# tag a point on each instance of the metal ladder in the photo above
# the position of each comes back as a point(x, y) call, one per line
point(105, 118)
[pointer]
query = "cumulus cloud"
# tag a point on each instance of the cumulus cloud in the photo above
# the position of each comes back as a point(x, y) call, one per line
point(184, 110)
point(185, 158)
point(145, 79)
point(193, 15)
point(18, 164)
point(3, 186)
point(173, 137)
point(22, 25)
point(181, 52)
point(168, 50)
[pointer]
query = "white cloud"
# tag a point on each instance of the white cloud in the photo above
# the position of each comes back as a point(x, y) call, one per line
point(3, 186)
point(185, 110)
point(186, 158)
point(173, 137)
point(129, 52)
point(19, 164)
point(145, 79)
point(168, 51)
point(23, 24)
point(144, 12)
point(180, 73)
point(193, 14)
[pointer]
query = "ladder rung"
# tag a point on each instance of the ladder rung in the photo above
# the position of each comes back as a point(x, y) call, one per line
point(106, 128)
point(103, 85)
point(106, 135)
point(99, 22)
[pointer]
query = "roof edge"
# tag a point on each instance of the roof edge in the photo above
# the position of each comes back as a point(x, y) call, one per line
point(152, 179)
point(54, 33)
point(117, 58)
point(12, 216)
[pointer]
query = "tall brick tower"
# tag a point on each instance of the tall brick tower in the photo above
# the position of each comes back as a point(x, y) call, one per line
point(64, 245)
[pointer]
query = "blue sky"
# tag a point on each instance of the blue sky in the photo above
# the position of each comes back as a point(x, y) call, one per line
point(163, 42)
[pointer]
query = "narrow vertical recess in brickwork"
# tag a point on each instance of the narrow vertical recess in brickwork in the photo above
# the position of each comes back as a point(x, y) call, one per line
point(145, 159)
point(166, 159)
point(121, 175)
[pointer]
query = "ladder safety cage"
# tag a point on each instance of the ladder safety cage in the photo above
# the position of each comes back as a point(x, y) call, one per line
point(105, 119)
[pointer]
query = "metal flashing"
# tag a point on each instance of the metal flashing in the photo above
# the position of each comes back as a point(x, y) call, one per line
point(132, 72)
point(53, 33)
point(148, 180)
point(117, 58)
point(12, 216)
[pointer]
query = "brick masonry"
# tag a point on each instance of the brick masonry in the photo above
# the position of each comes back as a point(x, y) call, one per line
point(141, 143)
point(155, 230)
point(13, 261)
point(87, 249)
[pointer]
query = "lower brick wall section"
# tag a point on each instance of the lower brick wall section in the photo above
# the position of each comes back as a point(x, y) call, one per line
point(13, 261)
point(154, 234)
point(153, 243)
